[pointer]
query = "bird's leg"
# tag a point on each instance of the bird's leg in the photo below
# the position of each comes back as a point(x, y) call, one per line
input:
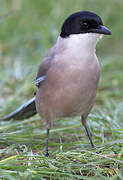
point(47, 152)
point(84, 122)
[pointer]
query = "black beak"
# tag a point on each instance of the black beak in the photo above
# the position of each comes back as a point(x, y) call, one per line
point(104, 30)
point(101, 30)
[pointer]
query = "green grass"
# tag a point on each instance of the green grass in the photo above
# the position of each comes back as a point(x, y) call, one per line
point(27, 30)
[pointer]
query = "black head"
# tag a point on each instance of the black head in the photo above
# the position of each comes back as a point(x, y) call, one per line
point(83, 22)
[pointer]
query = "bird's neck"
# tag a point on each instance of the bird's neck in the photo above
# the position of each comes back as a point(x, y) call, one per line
point(84, 44)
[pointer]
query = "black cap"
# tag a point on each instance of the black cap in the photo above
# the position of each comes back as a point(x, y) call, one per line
point(83, 22)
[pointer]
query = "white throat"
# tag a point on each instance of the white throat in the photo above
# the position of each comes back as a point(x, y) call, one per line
point(81, 43)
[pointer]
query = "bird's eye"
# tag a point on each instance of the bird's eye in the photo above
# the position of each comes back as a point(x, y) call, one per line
point(85, 24)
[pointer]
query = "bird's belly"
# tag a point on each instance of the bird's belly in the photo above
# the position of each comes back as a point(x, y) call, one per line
point(72, 94)
point(77, 100)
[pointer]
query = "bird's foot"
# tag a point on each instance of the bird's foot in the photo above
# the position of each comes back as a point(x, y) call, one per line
point(46, 154)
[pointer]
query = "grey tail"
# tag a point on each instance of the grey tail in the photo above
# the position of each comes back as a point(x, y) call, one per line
point(25, 111)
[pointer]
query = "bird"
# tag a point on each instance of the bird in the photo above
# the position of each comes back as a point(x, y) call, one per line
point(68, 76)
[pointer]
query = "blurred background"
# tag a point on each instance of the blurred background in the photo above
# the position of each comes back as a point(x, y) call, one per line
point(29, 28)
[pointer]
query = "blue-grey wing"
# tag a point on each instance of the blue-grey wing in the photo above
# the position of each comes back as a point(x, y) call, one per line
point(39, 81)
